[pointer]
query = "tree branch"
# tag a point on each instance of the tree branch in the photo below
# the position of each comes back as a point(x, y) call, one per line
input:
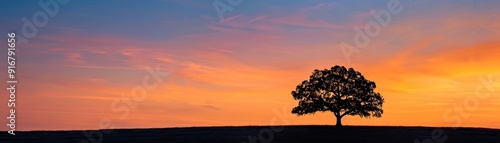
point(345, 113)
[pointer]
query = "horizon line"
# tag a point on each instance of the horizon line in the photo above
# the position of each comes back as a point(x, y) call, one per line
point(225, 126)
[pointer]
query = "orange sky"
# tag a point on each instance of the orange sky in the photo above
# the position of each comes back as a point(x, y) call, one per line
point(240, 71)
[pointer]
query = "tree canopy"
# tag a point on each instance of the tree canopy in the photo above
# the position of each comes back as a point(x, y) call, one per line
point(338, 90)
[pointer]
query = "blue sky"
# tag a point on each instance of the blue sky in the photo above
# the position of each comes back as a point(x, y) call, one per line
point(235, 71)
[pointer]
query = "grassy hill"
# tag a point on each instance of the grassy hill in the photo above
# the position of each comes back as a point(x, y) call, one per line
point(264, 134)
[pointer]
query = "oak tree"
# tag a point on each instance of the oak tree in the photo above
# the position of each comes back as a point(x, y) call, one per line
point(338, 90)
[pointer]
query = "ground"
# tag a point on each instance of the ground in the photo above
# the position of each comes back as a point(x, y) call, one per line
point(264, 134)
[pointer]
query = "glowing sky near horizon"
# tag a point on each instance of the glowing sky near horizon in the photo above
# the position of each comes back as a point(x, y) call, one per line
point(426, 62)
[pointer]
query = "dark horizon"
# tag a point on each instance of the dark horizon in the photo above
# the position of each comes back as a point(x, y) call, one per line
point(318, 133)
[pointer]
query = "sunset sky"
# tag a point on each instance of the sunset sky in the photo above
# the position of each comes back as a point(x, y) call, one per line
point(431, 62)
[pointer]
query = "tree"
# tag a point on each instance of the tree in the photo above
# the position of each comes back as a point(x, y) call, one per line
point(338, 90)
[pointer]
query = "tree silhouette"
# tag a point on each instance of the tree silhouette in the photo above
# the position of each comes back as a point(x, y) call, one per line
point(338, 90)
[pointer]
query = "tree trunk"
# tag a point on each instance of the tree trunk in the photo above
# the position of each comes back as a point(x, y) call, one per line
point(339, 120)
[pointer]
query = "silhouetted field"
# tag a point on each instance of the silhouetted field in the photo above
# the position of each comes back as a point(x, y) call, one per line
point(287, 134)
